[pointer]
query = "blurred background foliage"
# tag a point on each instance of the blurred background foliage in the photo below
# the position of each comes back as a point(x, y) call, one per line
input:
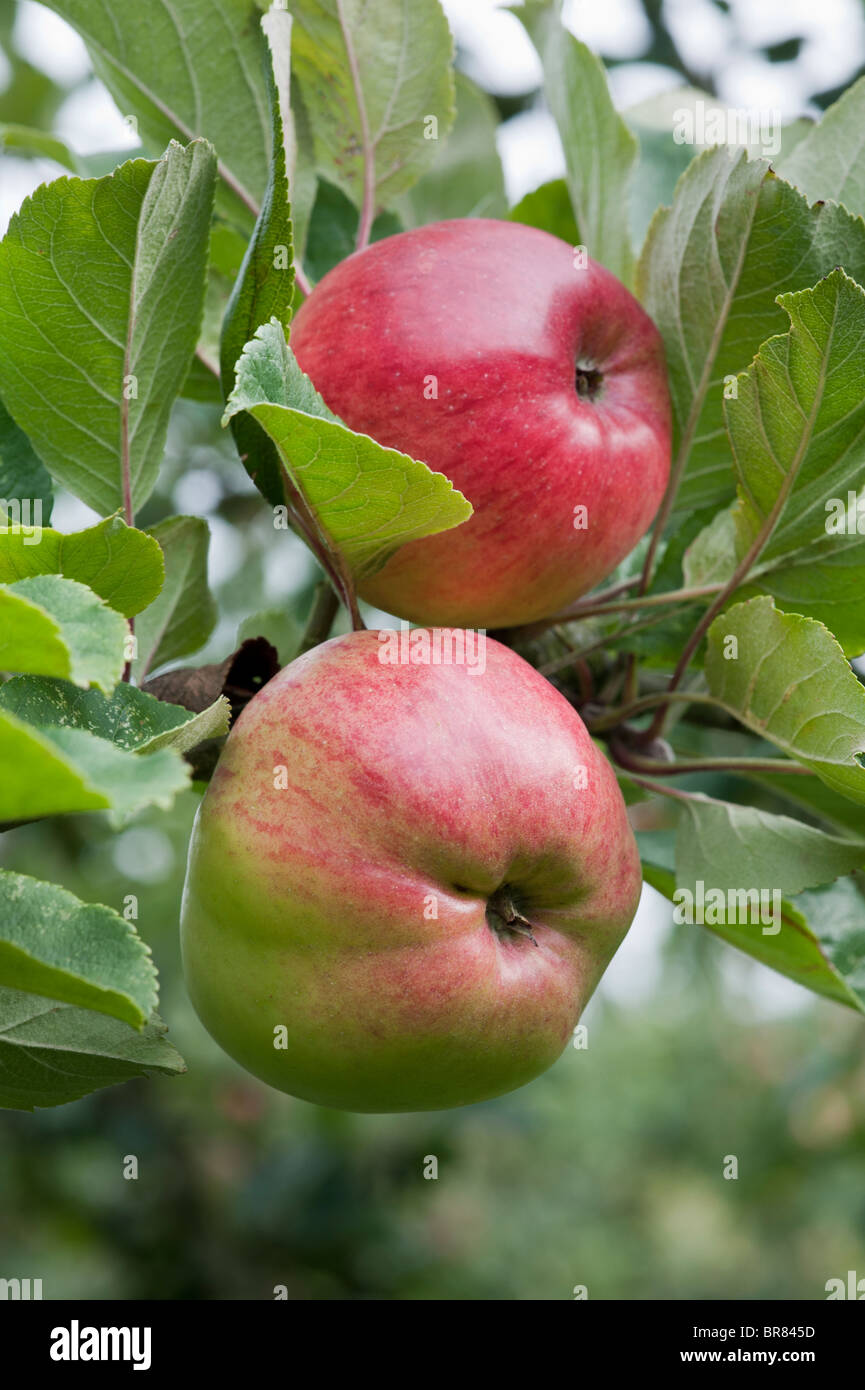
point(607, 1171)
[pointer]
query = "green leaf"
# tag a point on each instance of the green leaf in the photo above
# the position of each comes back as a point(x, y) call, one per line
point(797, 431)
point(228, 247)
point(53, 1053)
point(200, 383)
point(710, 273)
point(673, 570)
point(333, 229)
point(265, 285)
point(130, 718)
point(53, 771)
point(23, 477)
point(123, 566)
point(53, 944)
point(796, 952)
point(29, 96)
point(101, 293)
point(465, 178)
point(820, 949)
point(836, 917)
point(711, 556)
point(797, 426)
point(302, 178)
point(662, 880)
point(38, 780)
point(728, 846)
point(37, 144)
point(184, 615)
point(549, 208)
point(50, 626)
point(660, 636)
point(184, 72)
point(212, 722)
point(600, 151)
point(812, 796)
point(825, 581)
point(368, 499)
point(804, 794)
point(658, 856)
point(785, 677)
point(829, 162)
point(369, 84)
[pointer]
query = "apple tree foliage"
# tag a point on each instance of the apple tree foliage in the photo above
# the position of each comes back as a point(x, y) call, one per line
point(274, 141)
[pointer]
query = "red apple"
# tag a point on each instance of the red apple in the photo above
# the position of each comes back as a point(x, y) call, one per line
point(529, 376)
point(418, 871)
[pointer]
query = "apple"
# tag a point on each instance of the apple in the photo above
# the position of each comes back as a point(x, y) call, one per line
point(527, 374)
point(406, 877)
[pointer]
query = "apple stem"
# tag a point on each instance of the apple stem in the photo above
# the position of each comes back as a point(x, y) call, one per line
point(501, 905)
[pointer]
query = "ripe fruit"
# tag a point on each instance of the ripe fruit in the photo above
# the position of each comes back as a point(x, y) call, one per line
point(424, 897)
point(535, 384)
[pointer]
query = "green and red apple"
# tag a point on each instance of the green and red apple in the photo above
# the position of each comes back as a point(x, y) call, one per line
point(406, 877)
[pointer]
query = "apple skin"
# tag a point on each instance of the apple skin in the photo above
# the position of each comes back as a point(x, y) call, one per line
point(407, 785)
point(499, 315)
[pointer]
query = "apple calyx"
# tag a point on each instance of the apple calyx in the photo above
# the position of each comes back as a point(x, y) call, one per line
point(501, 907)
point(589, 382)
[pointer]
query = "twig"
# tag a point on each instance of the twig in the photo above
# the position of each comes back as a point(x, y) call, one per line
point(561, 663)
point(645, 601)
point(655, 767)
point(662, 790)
point(647, 702)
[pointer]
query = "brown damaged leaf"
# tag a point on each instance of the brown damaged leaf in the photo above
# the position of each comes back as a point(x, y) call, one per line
point(239, 677)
